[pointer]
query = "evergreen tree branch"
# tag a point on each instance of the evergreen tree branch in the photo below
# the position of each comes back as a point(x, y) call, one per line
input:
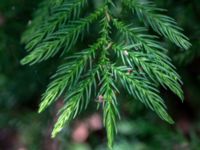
point(60, 14)
point(141, 89)
point(77, 99)
point(67, 36)
point(146, 53)
point(145, 62)
point(67, 75)
point(162, 24)
point(110, 110)
point(156, 70)
point(108, 88)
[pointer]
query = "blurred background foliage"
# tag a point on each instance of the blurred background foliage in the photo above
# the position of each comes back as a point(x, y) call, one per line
point(21, 128)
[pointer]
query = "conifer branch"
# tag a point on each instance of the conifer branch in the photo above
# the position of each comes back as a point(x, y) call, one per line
point(152, 59)
point(58, 17)
point(157, 70)
point(66, 75)
point(162, 24)
point(108, 92)
point(111, 113)
point(77, 99)
point(140, 88)
point(67, 36)
point(140, 67)
point(110, 117)
point(108, 88)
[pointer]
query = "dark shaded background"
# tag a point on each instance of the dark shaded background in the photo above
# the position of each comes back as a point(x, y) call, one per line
point(21, 128)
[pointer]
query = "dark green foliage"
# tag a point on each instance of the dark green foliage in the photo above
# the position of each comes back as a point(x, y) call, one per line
point(162, 24)
point(135, 59)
